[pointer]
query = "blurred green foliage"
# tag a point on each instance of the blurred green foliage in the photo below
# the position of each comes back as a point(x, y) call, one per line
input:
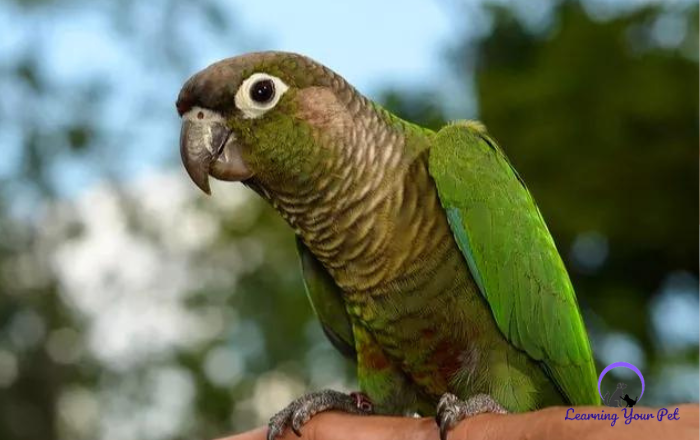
point(599, 115)
point(604, 131)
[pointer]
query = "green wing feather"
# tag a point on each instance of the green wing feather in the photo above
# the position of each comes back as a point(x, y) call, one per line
point(512, 257)
point(327, 302)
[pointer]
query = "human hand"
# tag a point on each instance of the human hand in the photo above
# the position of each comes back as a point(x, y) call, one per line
point(544, 424)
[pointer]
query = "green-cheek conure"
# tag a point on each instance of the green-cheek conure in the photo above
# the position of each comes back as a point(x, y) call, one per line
point(424, 255)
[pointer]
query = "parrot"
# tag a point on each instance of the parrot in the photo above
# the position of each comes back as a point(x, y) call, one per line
point(424, 255)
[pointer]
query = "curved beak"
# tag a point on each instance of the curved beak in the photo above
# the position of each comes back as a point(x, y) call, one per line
point(210, 148)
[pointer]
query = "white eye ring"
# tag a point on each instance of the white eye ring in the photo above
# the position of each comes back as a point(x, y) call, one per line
point(252, 109)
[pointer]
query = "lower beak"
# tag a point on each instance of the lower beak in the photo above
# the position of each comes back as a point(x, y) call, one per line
point(210, 148)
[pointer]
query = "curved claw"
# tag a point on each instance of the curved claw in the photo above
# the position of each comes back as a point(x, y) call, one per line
point(278, 422)
point(451, 410)
point(273, 432)
point(445, 427)
point(448, 413)
point(363, 402)
point(301, 416)
point(298, 419)
point(300, 411)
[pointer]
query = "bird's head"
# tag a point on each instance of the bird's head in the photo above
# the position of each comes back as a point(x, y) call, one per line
point(275, 120)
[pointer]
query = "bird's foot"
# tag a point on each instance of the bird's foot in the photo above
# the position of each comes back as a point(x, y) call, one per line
point(451, 410)
point(302, 409)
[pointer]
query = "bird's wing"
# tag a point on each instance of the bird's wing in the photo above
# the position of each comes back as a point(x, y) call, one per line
point(327, 302)
point(512, 256)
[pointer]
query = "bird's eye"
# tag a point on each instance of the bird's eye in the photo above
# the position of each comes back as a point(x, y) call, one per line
point(258, 94)
point(262, 91)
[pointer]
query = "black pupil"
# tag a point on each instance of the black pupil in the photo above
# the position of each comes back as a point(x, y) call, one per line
point(262, 91)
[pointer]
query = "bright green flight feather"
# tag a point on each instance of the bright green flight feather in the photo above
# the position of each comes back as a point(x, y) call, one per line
point(512, 256)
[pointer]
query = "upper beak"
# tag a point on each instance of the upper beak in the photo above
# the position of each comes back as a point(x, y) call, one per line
point(210, 148)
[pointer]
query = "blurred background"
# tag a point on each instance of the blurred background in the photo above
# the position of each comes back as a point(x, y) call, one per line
point(134, 307)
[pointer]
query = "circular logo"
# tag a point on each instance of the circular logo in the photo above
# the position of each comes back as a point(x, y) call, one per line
point(620, 364)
